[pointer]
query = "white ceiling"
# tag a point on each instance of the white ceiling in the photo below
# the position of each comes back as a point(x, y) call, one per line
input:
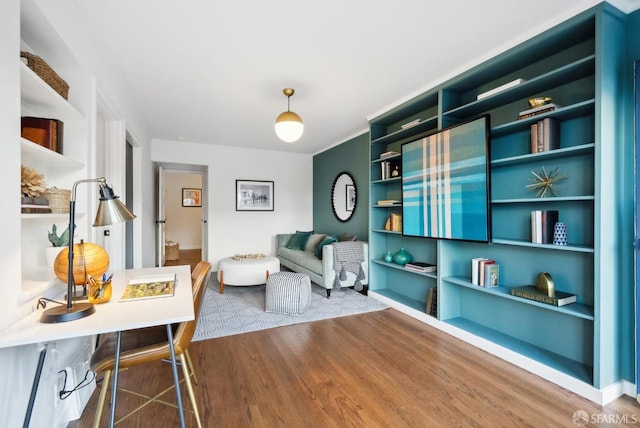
point(213, 72)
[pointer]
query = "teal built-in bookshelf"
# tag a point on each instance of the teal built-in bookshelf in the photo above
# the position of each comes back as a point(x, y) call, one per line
point(587, 346)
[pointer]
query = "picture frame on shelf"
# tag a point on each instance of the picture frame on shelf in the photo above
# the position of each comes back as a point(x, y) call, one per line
point(254, 195)
point(191, 197)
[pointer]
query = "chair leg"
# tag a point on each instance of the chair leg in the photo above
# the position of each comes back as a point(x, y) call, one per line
point(101, 399)
point(190, 366)
point(192, 396)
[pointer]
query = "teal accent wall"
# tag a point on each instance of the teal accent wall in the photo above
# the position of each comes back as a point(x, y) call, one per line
point(351, 156)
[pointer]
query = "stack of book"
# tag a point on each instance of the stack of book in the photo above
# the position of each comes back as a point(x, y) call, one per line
point(485, 272)
point(389, 169)
point(388, 201)
point(32, 205)
point(394, 223)
point(545, 135)
point(44, 132)
point(542, 224)
point(537, 110)
point(421, 267)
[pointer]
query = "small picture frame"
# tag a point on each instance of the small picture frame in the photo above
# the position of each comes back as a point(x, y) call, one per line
point(254, 195)
point(191, 197)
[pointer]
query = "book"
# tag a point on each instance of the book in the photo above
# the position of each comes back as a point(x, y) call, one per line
point(388, 154)
point(542, 226)
point(396, 222)
point(481, 271)
point(475, 270)
point(500, 88)
point(149, 287)
point(388, 201)
point(492, 275)
point(537, 110)
point(411, 124)
point(421, 267)
point(545, 135)
point(532, 293)
point(432, 309)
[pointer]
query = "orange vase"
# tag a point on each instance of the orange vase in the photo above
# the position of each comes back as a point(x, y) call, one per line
point(88, 259)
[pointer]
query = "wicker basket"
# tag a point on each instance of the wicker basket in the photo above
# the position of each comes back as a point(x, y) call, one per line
point(58, 199)
point(46, 73)
point(171, 250)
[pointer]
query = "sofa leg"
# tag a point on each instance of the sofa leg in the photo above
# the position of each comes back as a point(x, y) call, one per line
point(328, 293)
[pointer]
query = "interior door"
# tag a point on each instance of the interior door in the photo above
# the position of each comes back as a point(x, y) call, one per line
point(160, 219)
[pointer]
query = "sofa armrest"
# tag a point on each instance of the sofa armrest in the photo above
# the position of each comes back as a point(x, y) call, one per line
point(329, 274)
point(282, 239)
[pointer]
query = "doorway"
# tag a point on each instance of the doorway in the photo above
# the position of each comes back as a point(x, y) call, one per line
point(181, 220)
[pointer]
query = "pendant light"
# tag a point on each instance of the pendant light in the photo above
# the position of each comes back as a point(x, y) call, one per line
point(289, 126)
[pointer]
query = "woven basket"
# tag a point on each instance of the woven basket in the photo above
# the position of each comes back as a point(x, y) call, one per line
point(171, 250)
point(46, 73)
point(58, 199)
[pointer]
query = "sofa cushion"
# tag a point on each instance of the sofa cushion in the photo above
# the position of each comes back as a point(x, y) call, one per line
point(328, 240)
point(301, 258)
point(346, 237)
point(313, 242)
point(299, 240)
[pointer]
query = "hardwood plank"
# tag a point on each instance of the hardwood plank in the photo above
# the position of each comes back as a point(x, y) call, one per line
point(376, 369)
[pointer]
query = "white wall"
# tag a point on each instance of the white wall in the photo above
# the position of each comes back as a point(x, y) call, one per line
point(183, 224)
point(233, 232)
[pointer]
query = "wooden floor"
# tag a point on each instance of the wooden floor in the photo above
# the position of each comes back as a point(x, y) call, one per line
point(381, 369)
point(186, 257)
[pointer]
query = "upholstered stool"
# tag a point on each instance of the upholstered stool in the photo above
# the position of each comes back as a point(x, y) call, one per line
point(287, 293)
point(246, 271)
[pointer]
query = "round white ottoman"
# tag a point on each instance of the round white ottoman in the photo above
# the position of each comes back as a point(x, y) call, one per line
point(246, 271)
point(287, 293)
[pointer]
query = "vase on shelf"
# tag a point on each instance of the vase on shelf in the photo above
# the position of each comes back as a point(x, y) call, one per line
point(560, 234)
point(402, 257)
point(388, 257)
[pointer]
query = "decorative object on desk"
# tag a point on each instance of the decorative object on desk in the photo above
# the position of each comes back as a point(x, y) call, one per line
point(544, 291)
point(289, 126)
point(89, 260)
point(402, 257)
point(542, 226)
point(543, 182)
point(58, 199)
point(254, 195)
point(560, 234)
point(388, 257)
point(31, 182)
point(191, 197)
point(57, 243)
point(110, 210)
point(100, 290)
point(149, 287)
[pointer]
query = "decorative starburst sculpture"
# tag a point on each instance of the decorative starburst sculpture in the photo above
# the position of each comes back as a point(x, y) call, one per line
point(543, 182)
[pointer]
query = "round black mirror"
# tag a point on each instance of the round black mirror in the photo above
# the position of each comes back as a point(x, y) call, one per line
point(344, 196)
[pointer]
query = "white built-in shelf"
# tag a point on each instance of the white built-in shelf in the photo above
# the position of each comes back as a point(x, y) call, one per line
point(32, 153)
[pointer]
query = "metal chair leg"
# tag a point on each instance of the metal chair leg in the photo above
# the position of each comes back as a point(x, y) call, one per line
point(190, 364)
point(192, 396)
point(103, 396)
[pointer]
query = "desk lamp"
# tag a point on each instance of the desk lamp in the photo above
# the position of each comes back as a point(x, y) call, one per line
point(110, 211)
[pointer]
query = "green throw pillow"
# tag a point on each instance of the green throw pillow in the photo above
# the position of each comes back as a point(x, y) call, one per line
point(299, 240)
point(326, 241)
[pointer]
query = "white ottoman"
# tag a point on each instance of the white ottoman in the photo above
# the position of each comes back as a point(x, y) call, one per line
point(246, 271)
point(287, 293)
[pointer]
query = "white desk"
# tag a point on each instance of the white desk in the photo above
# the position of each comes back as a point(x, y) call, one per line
point(112, 316)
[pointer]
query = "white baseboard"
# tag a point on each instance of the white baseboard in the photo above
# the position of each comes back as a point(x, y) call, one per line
point(600, 396)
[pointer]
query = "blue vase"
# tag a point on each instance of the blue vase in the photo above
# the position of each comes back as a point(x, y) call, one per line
point(388, 257)
point(402, 257)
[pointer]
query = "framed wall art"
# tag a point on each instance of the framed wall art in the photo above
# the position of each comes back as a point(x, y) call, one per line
point(254, 195)
point(191, 197)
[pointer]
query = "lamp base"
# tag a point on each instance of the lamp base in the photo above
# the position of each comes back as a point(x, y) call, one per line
point(62, 314)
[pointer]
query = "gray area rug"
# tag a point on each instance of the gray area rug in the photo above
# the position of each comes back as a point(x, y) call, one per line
point(241, 309)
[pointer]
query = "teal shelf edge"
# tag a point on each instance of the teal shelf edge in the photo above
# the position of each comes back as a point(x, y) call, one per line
point(402, 268)
point(575, 248)
point(575, 309)
point(544, 200)
point(402, 299)
point(388, 180)
point(563, 364)
point(551, 154)
point(390, 232)
point(424, 126)
point(581, 108)
point(573, 71)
